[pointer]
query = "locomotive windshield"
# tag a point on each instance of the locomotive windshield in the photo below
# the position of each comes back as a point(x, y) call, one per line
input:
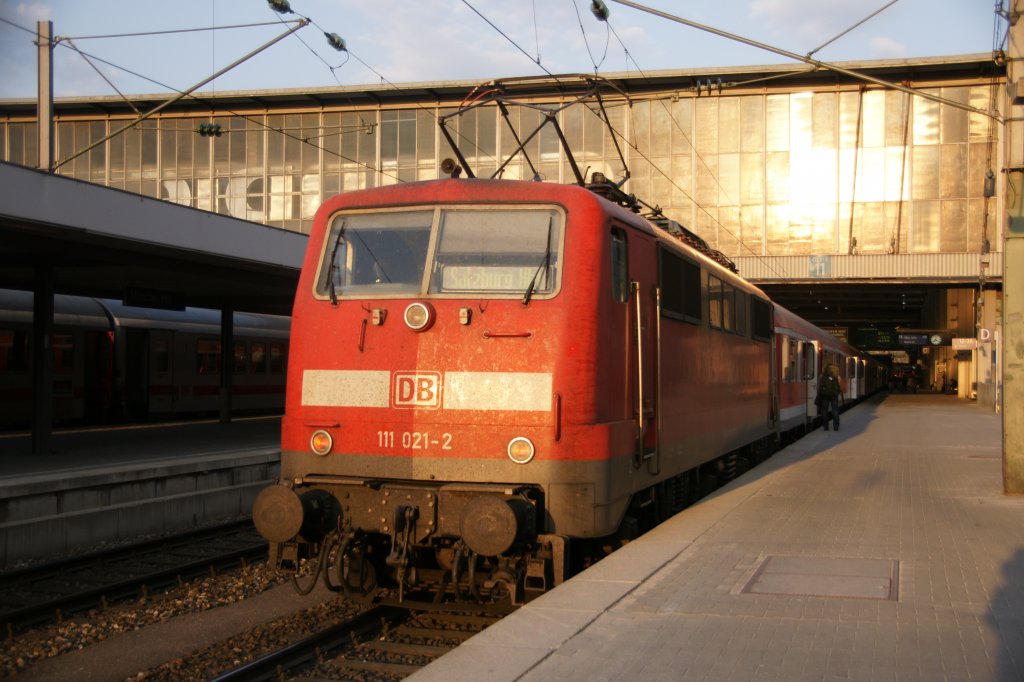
point(489, 252)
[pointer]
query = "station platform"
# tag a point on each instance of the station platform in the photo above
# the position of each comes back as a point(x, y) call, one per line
point(98, 486)
point(883, 551)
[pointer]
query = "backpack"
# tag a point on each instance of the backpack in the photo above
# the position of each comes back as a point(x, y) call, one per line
point(829, 386)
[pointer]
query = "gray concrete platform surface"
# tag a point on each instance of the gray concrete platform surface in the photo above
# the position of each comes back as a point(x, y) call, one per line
point(883, 551)
point(104, 485)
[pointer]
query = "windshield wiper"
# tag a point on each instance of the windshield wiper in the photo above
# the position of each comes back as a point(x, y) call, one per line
point(545, 264)
point(334, 254)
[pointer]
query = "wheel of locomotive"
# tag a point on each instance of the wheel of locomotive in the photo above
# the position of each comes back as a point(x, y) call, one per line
point(503, 587)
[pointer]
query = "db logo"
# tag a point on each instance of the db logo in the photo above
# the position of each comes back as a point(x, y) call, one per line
point(416, 389)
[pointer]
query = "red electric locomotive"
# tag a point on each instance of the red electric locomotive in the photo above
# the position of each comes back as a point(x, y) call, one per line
point(485, 373)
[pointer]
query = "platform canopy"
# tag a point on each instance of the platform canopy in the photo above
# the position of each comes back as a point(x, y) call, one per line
point(113, 244)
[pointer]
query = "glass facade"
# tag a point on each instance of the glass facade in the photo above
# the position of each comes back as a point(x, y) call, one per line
point(771, 173)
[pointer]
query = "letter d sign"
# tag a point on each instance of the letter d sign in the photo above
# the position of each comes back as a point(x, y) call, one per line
point(416, 389)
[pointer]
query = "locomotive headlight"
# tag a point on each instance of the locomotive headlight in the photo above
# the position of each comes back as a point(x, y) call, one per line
point(520, 450)
point(321, 442)
point(419, 316)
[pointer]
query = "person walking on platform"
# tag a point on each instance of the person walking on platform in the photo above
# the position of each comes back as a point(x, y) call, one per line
point(827, 399)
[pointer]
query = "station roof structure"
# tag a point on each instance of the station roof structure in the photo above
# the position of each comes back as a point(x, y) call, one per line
point(796, 75)
point(113, 244)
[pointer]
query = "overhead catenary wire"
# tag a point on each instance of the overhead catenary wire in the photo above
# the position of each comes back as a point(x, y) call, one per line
point(814, 62)
point(707, 167)
point(506, 37)
point(169, 31)
point(607, 39)
point(355, 56)
point(71, 45)
point(180, 95)
point(859, 23)
point(282, 131)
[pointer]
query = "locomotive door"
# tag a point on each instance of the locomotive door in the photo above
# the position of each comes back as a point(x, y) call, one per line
point(644, 347)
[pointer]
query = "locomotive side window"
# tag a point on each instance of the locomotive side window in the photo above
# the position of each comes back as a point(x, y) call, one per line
point(714, 302)
point(620, 269)
point(497, 251)
point(760, 319)
point(728, 307)
point(741, 313)
point(680, 287)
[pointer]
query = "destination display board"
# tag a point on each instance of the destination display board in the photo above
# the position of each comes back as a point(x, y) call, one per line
point(937, 337)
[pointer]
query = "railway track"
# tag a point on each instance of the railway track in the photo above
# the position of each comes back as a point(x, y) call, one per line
point(48, 592)
point(387, 642)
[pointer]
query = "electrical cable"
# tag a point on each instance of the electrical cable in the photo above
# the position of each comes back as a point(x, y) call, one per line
point(505, 36)
point(703, 162)
point(18, 26)
point(739, 241)
point(862, 21)
point(239, 115)
point(170, 31)
point(71, 45)
point(350, 53)
point(597, 65)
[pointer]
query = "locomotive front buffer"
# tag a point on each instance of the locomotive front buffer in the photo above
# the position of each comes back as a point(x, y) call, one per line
point(480, 540)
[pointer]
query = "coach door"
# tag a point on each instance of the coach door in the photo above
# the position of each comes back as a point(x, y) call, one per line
point(809, 368)
point(161, 382)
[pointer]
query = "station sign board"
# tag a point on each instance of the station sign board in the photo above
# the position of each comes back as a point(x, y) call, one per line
point(841, 333)
point(879, 338)
point(938, 337)
point(965, 343)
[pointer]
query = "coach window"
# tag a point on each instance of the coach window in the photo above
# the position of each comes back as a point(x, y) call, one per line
point(760, 319)
point(259, 357)
point(620, 269)
point(13, 351)
point(808, 361)
point(793, 364)
point(240, 357)
point(277, 358)
point(63, 353)
point(207, 356)
point(161, 355)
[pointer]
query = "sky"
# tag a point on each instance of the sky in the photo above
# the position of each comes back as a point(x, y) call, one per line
point(404, 41)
